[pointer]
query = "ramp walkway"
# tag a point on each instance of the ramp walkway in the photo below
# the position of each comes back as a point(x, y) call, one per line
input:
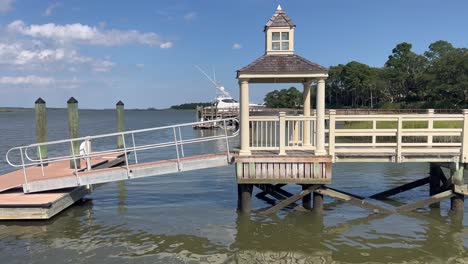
point(37, 174)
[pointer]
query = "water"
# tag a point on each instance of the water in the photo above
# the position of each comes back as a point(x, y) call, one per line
point(191, 217)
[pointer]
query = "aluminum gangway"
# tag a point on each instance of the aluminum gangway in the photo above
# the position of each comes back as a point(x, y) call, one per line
point(36, 174)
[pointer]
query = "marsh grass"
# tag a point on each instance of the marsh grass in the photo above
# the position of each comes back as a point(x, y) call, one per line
point(406, 125)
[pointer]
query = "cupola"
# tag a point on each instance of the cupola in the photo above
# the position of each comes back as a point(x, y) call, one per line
point(279, 34)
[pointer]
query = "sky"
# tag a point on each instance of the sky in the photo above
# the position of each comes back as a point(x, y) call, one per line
point(144, 52)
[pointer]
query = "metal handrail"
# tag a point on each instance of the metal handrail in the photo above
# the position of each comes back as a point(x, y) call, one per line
point(178, 142)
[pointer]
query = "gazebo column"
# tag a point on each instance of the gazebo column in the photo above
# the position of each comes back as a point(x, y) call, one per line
point(244, 117)
point(306, 110)
point(320, 134)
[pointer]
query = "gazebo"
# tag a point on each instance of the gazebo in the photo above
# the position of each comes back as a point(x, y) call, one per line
point(280, 64)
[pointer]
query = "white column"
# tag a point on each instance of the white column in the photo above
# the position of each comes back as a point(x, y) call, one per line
point(306, 108)
point(320, 136)
point(244, 117)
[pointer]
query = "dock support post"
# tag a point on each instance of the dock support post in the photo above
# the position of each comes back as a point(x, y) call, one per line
point(244, 202)
point(307, 199)
point(434, 182)
point(72, 105)
point(457, 202)
point(120, 123)
point(318, 203)
point(41, 128)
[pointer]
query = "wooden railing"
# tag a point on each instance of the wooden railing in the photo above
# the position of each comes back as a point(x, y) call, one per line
point(395, 135)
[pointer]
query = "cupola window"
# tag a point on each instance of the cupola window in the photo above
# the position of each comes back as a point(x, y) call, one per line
point(280, 40)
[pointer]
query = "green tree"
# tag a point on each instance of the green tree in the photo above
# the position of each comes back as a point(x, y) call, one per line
point(446, 78)
point(284, 98)
point(403, 70)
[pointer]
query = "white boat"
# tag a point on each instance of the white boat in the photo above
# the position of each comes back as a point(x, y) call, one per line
point(223, 101)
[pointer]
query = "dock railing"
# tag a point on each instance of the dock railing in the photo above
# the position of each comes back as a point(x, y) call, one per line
point(395, 135)
point(130, 147)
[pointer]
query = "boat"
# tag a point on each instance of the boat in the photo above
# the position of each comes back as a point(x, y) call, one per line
point(223, 101)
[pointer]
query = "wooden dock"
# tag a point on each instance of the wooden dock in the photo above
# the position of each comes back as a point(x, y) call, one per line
point(15, 204)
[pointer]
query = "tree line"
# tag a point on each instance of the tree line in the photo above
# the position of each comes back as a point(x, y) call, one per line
point(438, 78)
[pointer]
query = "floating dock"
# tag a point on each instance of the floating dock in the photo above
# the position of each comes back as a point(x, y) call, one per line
point(15, 204)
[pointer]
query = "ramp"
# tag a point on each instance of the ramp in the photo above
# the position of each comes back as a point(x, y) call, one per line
point(52, 173)
point(125, 173)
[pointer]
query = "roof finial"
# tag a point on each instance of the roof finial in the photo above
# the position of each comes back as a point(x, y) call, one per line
point(279, 8)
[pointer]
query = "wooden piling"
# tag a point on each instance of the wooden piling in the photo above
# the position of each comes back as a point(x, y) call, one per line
point(120, 122)
point(318, 203)
point(73, 126)
point(244, 203)
point(307, 199)
point(457, 202)
point(41, 128)
point(434, 182)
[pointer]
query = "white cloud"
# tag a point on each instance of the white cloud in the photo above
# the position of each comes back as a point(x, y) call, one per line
point(83, 34)
point(191, 16)
point(140, 65)
point(37, 58)
point(50, 9)
point(103, 66)
point(236, 46)
point(27, 80)
point(6, 5)
point(166, 45)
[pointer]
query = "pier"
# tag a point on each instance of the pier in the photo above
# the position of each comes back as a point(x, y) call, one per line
point(276, 148)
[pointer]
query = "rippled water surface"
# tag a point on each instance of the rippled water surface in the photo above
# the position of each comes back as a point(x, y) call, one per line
point(191, 217)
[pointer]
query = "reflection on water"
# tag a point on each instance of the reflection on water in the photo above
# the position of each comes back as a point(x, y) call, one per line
point(296, 237)
point(190, 217)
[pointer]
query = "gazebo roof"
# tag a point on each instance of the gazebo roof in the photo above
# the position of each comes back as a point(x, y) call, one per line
point(281, 64)
point(279, 19)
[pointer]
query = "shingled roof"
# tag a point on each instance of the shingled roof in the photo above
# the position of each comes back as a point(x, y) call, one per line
point(284, 63)
point(279, 19)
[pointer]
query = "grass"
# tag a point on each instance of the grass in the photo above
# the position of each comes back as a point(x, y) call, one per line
point(405, 124)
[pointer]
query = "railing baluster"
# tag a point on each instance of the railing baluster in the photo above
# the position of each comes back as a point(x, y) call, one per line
point(40, 160)
point(134, 148)
point(262, 132)
point(399, 138)
point(181, 141)
point(282, 133)
point(227, 139)
point(331, 135)
point(374, 127)
point(464, 151)
point(430, 125)
point(177, 148)
point(24, 171)
point(74, 163)
point(126, 156)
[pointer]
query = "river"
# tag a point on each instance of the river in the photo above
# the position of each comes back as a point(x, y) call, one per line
point(191, 217)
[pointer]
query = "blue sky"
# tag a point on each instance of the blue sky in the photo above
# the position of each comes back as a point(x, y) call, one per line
point(144, 52)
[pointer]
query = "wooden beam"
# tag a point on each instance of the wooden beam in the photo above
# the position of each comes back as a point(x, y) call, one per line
point(425, 201)
point(350, 194)
point(290, 200)
point(400, 189)
point(279, 190)
point(268, 189)
point(354, 201)
point(461, 189)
